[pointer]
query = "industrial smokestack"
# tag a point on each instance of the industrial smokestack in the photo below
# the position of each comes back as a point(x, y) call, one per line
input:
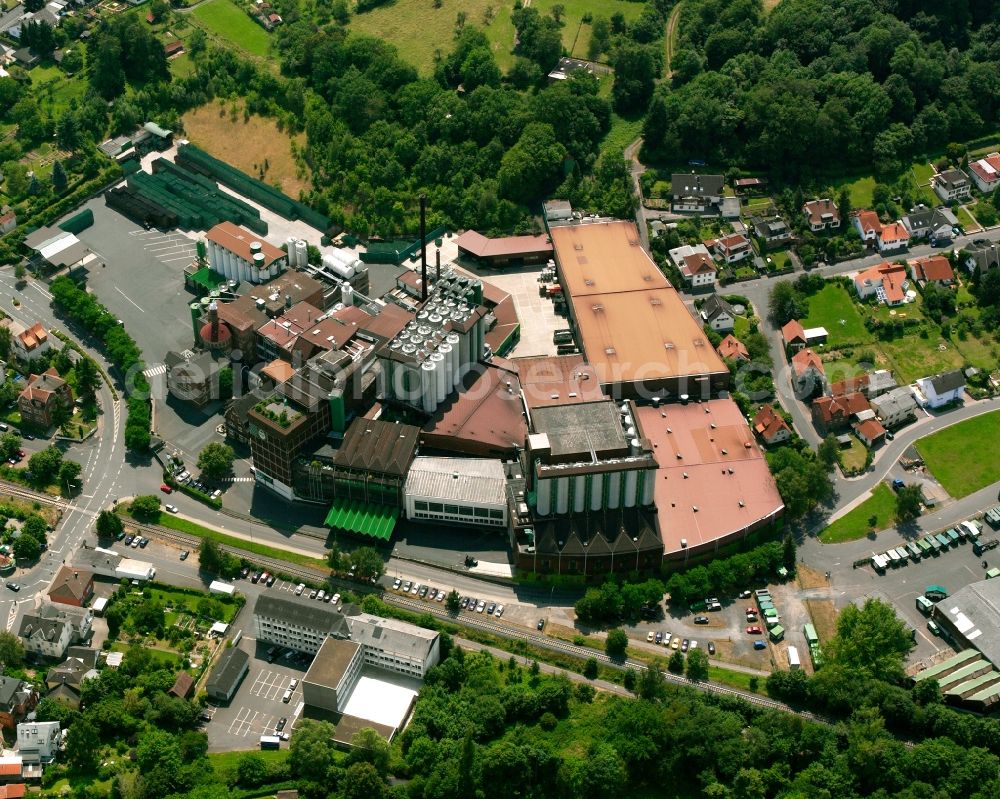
point(437, 265)
point(423, 247)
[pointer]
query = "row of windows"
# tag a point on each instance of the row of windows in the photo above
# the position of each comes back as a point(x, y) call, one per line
point(494, 522)
point(459, 510)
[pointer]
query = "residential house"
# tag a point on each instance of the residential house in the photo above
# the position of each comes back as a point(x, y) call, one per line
point(952, 185)
point(793, 335)
point(718, 314)
point(886, 281)
point(696, 193)
point(72, 586)
point(894, 407)
point(26, 57)
point(50, 629)
point(771, 230)
point(38, 741)
point(41, 398)
point(65, 681)
point(808, 374)
point(732, 347)
point(698, 269)
point(17, 699)
point(940, 390)
point(31, 342)
point(849, 386)
point(821, 215)
point(182, 686)
point(870, 431)
point(193, 377)
point(935, 224)
point(871, 384)
point(8, 219)
point(770, 426)
point(731, 249)
point(868, 225)
point(892, 238)
point(932, 269)
point(174, 47)
point(831, 414)
point(986, 172)
point(982, 254)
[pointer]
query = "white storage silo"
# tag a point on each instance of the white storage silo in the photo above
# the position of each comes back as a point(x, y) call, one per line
point(464, 348)
point(301, 253)
point(347, 294)
point(631, 484)
point(440, 376)
point(428, 386)
point(579, 492)
point(453, 341)
point(448, 367)
point(596, 491)
point(543, 500)
point(290, 249)
point(562, 495)
point(648, 486)
point(614, 491)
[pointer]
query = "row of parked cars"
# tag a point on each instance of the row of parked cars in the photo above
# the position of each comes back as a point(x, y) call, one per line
point(676, 642)
point(437, 595)
point(185, 477)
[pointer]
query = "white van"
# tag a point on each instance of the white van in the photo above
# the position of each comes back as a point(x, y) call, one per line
point(287, 696)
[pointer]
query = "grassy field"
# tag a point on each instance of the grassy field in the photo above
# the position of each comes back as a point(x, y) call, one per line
point(226, 761)
point(181, 66)
point(246, 144)
point(912, 357)
point(949, 454)
point(622, 133)
point(395, 23)
point(181, 599)
point(191, 528)
point(226, 20)
point(842, 369)
point(735, 679)
point(824, 617)
point(854, 524)
point(981, 352)
point(861, 188)
point(854, 457)
point(834, 309)
point(53, 89)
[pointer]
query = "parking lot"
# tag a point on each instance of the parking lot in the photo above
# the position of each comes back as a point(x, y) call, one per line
point(257, 707)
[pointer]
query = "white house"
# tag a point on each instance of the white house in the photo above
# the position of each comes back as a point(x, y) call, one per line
point(30, 342)
point(698, 270)
point(893, 237)
point(718, 314)
point(868, 226)
point(38, 741)
point(894, 407)
point(939, 390)
point(732, 248)
point(952, 184)
point(50, 629)
point(821, 214)
point(696, 193)
point(986, 172)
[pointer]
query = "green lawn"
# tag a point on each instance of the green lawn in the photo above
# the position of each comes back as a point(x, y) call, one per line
point(965, 220)
point(228, 21)
point(855, 456)
point(182, 599)
point(53, 89)
point(778, 260)
point(911, 357)
point(741, 327)
point(186, 526)
point(955, 455)
point(842, 369)
point(226, 761)
point(854, 524)
point(834, 309)
point(622, 133)
point(860, 190)
point(182, 66)
point(735, 679)
point(396, 23)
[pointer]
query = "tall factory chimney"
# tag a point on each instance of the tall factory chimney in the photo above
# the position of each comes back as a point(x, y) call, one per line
point(423, 247)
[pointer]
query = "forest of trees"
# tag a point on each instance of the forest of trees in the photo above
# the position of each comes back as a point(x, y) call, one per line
point(816, 86)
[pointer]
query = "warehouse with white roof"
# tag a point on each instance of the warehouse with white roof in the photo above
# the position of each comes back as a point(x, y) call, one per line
point(457, 490)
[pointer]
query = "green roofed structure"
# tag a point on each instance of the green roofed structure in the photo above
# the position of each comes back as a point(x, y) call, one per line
point(376, 521)
point(946, 667)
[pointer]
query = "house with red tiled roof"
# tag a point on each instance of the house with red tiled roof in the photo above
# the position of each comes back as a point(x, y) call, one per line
point(985, 172)
point(868, 226)
point(886, 281)
point(8, 219)
point(770, 426)
point(821, 214)
point(932, 269)
point(835, 413)
point(698, 269)
point(794, 335)
point(808, 374)
point(731, 249)
point(893, 237)
point(43, 394)
point(870, 431)
point(732, 347)
point(30, 342)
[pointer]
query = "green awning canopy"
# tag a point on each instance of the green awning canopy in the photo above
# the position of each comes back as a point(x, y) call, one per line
point(377, 521)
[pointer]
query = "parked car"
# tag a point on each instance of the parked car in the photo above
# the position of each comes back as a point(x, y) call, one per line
point(135, 542)
point(480, 606)
point(396, 583)
point(432, 594)
point(746, 594)
point(171, 508)
point(16, 587)
point(299, 589)
point(758, 644)
point(244, 572)
point(165, 488)
point(463, 603)
point(422, 593)
point(255, 577)
point(675, 643)
point(281, 724)
point(270, 580)
point(711, 647)
point(499, 611)
point(406, 586)
point(440, 596)
point(701, 619)
point(490, 608)
point(933, 627)
point(659, 638)
point(312, 594)
point(753, 629)
point(541, 624)
point(650, 636)
point(184, 554)
point(684, 645)
point(128, 540)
